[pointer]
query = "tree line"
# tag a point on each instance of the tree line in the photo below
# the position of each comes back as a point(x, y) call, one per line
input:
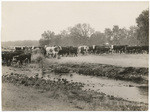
point(20, 43)
point(84, 34)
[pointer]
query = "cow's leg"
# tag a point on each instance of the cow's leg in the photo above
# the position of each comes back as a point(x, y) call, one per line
point(7, 62)
point(30, 60)
point(21, 62)
point(47, 54)
point(53, 55)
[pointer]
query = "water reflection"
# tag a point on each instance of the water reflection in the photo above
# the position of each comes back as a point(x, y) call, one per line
point(124, 89)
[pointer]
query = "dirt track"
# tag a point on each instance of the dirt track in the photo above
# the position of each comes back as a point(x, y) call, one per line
point(124, 60)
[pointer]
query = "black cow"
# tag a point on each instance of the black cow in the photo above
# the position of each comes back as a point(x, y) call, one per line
point(22, 57)
point(7, 56)
point(68, 51)
point(64, 51)
point(145, 49)
point(73, 51)
point(92, 49)
point(18, 48)
point(120, 48)
point(134, 49)
point(102, 49)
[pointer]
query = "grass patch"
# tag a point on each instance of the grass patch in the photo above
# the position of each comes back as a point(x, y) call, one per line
point(110, 71)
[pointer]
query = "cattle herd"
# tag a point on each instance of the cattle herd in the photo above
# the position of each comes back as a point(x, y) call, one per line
point(23, 54)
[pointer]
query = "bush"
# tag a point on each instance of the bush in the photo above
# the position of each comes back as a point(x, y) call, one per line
point(61, 69)
point(37, 58)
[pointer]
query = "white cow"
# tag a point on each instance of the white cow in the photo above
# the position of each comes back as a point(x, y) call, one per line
point(52, 51)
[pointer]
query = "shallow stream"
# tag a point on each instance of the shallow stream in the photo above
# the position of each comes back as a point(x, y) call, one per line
point(118, 88)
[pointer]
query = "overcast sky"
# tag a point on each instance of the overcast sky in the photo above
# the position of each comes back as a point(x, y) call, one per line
point(28, 20)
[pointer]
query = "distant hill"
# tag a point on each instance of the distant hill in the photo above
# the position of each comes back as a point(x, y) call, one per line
point(20, 43)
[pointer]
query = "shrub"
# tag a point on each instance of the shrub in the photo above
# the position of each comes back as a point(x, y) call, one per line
point(61, 69)
point(37, 58)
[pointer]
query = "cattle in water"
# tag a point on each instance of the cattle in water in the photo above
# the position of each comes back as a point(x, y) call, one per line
point(83, 49)
point(53, 51)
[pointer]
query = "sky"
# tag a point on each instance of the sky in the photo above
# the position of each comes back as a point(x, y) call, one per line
point(28, 20)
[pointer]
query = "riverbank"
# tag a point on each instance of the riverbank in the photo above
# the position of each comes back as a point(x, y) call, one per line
point(60, 90)
point(134, 74)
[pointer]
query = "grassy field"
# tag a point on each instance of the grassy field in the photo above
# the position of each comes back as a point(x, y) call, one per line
point(123, 60)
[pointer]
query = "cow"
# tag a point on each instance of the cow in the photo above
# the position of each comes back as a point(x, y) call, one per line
point(73, 51)
point(24, 57)
point(43, 51)
point(7, 56)
point(68, 51)
point(64, 51)
point(83, 49)
point(119, 48)
point(102, 49)
point(145, 49)
point(92, 49)
point(18, 48)
point(52, 51)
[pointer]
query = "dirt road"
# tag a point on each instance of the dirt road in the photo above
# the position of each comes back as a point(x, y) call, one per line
point(124, 60)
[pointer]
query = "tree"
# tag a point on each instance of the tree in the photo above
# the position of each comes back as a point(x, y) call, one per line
point(123, 34)
point(80, 33)
point(66, 39)
point(43, 42)
point(132, 36)
point(64, 33)
point(97, 38)
point(108, 35)
point(143, 27)
point(57, 40)
point(47, 36)
point(115, 39)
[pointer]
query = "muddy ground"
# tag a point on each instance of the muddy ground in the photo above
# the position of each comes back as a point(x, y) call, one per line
point(26, 88)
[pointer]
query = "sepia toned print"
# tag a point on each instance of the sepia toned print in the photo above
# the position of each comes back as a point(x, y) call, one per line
point(75, 56)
